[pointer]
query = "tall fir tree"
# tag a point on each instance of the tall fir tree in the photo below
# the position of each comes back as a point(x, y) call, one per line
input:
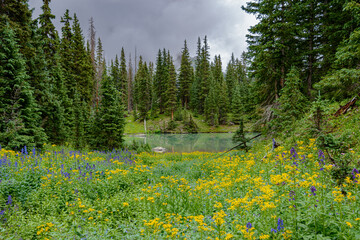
point(109, 123)
point(143, 89)
point(20, 125)
point(171, 90)
point(292, 101)
point(186, 77)
point(52, 97)
point(123, 78)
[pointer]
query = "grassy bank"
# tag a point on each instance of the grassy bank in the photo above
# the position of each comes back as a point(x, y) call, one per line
point(286, 193)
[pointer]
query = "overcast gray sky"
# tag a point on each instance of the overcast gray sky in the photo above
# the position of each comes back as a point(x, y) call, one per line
point(152, 24)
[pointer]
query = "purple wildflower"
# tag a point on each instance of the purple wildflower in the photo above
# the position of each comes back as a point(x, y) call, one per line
point(9, 202)
point(313, 190)
point(248, 226)
point(293, 153)
point(273, 230)
point(273, 143)
point(280, 224)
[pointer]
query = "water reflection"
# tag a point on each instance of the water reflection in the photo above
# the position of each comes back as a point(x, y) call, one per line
point(204, 142)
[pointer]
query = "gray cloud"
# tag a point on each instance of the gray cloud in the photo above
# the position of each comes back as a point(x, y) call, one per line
point(152, 24)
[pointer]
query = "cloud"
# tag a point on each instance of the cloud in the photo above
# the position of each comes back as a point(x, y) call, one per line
point(156, 24)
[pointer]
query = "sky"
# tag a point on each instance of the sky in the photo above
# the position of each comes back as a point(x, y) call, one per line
point(150, 25)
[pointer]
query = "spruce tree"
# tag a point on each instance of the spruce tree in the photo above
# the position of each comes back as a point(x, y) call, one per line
point(52, 96)
point(143, 90)
point(211, 109)
point(82, 68)
point(20, 124)
point(109, 121)
point(236, 104)
point(123, 78)
point(171, 93)
point(186, 77)
point(293, 102)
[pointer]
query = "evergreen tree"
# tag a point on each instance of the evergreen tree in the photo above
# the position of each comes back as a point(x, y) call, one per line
point(99, 71)
point(52, 96)
point(123, 78)
point(239, 137)
point(343, 81)
point(171, 93)
point(115, 73)
point(20, 117)
point(211, 109)
point(196, 86)
point(186, 77)
point(143, 89)
point(204, 75)
point(66, 54)
point(82, 70)
point(230, 77)
point(292, 101)
point(237, 106)
point(130, 87)
point(109, 122)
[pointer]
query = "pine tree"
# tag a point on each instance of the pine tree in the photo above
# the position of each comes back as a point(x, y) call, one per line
point(186, 77)
point(171, 93)
point(211, 109)
point(99, 71)
point(292, 101)
point(82, 68)
point(52, 96)
point(66, 54)
point(130, 92)
point(204, 76)
point(230, 77)
point(143, 89)
point(196, 86)
point(123, 78)
point(20, 118)
point(237, 106)
point(343, 82)
point(109, 122)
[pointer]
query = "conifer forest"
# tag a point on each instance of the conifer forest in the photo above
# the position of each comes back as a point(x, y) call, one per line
point(66, 171)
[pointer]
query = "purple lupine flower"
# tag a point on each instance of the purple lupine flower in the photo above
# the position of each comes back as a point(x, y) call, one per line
point(9, 202)
point(2, 212)
point(273, 230)
point(273, 143)
point(354, 172)
point(293, 152)
point(280, 224)
point(313, 190)
point(248, 226)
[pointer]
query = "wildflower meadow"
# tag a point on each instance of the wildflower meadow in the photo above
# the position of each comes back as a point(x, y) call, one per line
point(266, 193)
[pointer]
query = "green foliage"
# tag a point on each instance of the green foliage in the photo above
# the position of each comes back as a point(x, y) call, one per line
point(171, 90)
point(239, 137)
point(293, 103)
point(171, 125)
point(20, 125)
point(109, 123)
point(338, 150)
point(343, 82)
point(143, 90)
point(186, 77)
point(319, 110)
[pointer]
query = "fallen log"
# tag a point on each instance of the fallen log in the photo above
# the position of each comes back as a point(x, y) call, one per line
point(241, 144)
point(345, 108)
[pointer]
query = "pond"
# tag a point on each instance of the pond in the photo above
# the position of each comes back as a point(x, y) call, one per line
point(203, 142)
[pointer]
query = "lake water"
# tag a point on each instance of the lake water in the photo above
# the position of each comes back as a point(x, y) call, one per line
point(203, 142)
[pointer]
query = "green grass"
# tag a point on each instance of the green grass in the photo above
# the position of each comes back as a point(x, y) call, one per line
point(62, 194)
